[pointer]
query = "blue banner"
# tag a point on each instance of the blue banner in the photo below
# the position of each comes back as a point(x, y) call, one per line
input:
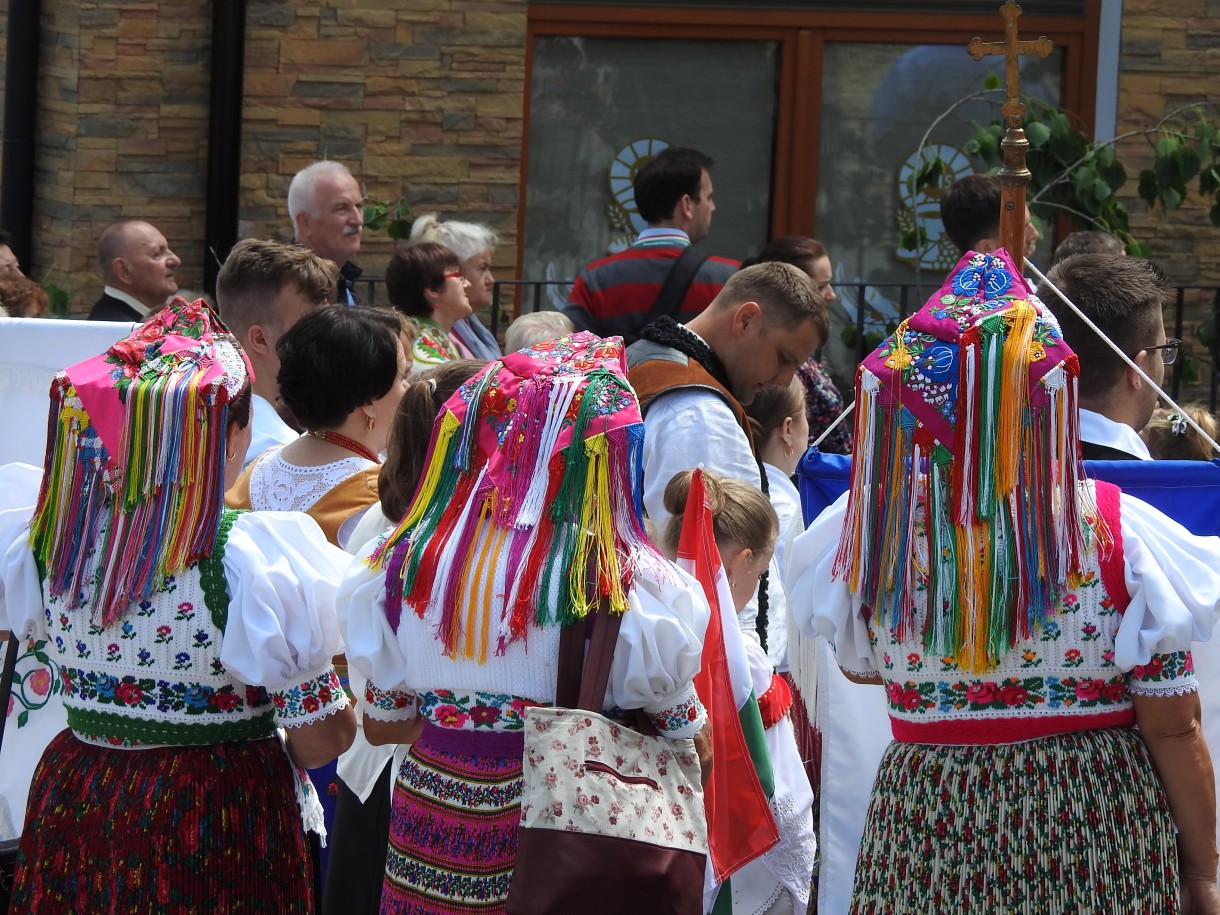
point(1187, 491)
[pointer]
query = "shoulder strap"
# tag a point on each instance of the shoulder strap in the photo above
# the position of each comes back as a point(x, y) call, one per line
point(1109, 506)
point(587, 689)
point(677, 282)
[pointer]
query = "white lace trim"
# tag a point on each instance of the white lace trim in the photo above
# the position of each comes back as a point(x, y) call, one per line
point(792, 859)
point(276, 485)
point(1180, 687)
point(318, 716)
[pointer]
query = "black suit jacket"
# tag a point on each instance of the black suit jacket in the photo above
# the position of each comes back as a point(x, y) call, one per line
point(1091, 451)
point(108, 308)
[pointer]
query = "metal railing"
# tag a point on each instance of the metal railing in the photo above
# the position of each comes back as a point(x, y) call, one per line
point(873, 310)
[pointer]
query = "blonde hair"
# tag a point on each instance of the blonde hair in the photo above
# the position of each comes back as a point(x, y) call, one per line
point(741, 514)
point(1170, 438)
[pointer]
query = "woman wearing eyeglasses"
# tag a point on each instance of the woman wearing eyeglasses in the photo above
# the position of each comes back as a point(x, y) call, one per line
point(426, 283)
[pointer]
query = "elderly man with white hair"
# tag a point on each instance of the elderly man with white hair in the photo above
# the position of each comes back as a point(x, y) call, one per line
point(326, 206)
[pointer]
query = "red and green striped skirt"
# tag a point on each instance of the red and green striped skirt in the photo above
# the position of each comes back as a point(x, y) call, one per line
point(177, 829)
point(1072, 823)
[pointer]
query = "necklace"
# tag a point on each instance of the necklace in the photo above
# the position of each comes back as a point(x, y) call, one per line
point(343, 441)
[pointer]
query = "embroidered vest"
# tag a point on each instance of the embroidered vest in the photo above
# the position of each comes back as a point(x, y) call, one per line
point(656, 369)
point(154, 676)
point(1061, 678)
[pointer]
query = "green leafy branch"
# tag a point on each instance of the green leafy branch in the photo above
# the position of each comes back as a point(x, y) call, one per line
point(1072, 174)
point(392, 216)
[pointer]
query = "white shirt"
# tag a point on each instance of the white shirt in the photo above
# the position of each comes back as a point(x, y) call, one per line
point(1100, 430)
point(266, 427)
point(128, 299)
point(787, 504)
point(687, 428)
point(683, 430)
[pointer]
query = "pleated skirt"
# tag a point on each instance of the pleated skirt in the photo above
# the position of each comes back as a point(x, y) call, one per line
point(172, 830)
point(453, 825)
point(1072, 823)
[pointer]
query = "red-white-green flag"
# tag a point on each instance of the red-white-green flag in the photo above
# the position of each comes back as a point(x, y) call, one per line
point(740, 825)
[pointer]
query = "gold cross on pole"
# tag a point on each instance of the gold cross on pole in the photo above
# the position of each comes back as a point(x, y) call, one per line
point(1014, 175)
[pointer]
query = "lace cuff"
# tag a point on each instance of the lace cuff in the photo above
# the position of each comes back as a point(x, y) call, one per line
point(388, 704)
point(310, 700)
point(1170, 674)
point(678, 716)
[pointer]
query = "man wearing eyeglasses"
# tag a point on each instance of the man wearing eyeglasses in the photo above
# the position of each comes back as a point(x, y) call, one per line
point(1123, 297)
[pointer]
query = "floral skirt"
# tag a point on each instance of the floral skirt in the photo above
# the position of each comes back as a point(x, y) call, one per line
point(1072, 823)
point(177, 829)
point(453, 825)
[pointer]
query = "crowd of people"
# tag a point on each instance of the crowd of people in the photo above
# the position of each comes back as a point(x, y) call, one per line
point(296, 541)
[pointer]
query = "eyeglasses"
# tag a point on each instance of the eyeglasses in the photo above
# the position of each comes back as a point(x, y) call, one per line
point(455, 275)
point(1169, 350)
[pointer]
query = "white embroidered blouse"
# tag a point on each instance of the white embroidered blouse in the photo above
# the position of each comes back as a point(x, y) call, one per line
point(229, 649)
point(1076, 672)
point(659, 651)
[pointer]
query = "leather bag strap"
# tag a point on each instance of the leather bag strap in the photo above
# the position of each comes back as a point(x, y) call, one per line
point(583, 685)
point(677, 282)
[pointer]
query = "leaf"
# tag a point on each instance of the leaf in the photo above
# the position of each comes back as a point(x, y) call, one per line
point(1101, 191)
point(1190, 163)
point(399, 229)
point(972, 147)
point(23, 719)
point(1167, 146)
point(1139, 249)
point(1083, 179)
point(1170, 198)
point(1209, 180)
point(1037, 133)
point(991, 80)
point(1104, 155)
point(1214, 214)
point(1148, 186)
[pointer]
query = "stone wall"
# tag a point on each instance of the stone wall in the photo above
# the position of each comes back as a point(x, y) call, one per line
point(1170, 52)
point(122, 132)
point(421, 100)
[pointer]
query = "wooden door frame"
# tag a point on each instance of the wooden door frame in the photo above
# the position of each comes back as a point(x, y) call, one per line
point(801, 36)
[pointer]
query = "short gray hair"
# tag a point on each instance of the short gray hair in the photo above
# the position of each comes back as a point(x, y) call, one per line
point(301, 197)
point(465, 239)
point(534, 328)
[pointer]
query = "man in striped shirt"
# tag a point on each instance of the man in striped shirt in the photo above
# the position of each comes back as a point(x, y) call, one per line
point(617, 294)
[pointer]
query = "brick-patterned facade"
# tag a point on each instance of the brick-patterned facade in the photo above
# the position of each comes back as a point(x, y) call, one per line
point(423, 102)
point(1168, 52)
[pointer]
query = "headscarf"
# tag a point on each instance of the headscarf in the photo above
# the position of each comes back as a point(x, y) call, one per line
point(532, 485)
point(967, 417)
point(133, 476)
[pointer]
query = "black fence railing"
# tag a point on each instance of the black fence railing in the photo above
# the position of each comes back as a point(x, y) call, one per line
point(870, 311)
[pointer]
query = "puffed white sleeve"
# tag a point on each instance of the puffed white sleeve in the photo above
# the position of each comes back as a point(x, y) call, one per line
point(283, 576)
point(1173, 578)
point(660, 650)
point(21, 604)
point(821, 604)
point(373, 648)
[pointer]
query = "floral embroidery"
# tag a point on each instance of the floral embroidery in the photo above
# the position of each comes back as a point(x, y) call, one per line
point(36, 679)
point(1163, 667)
point(302, 702)
point(913, 697)
point(474, 710)
point(388, 700)
point(147, 692)
point(679, 717)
